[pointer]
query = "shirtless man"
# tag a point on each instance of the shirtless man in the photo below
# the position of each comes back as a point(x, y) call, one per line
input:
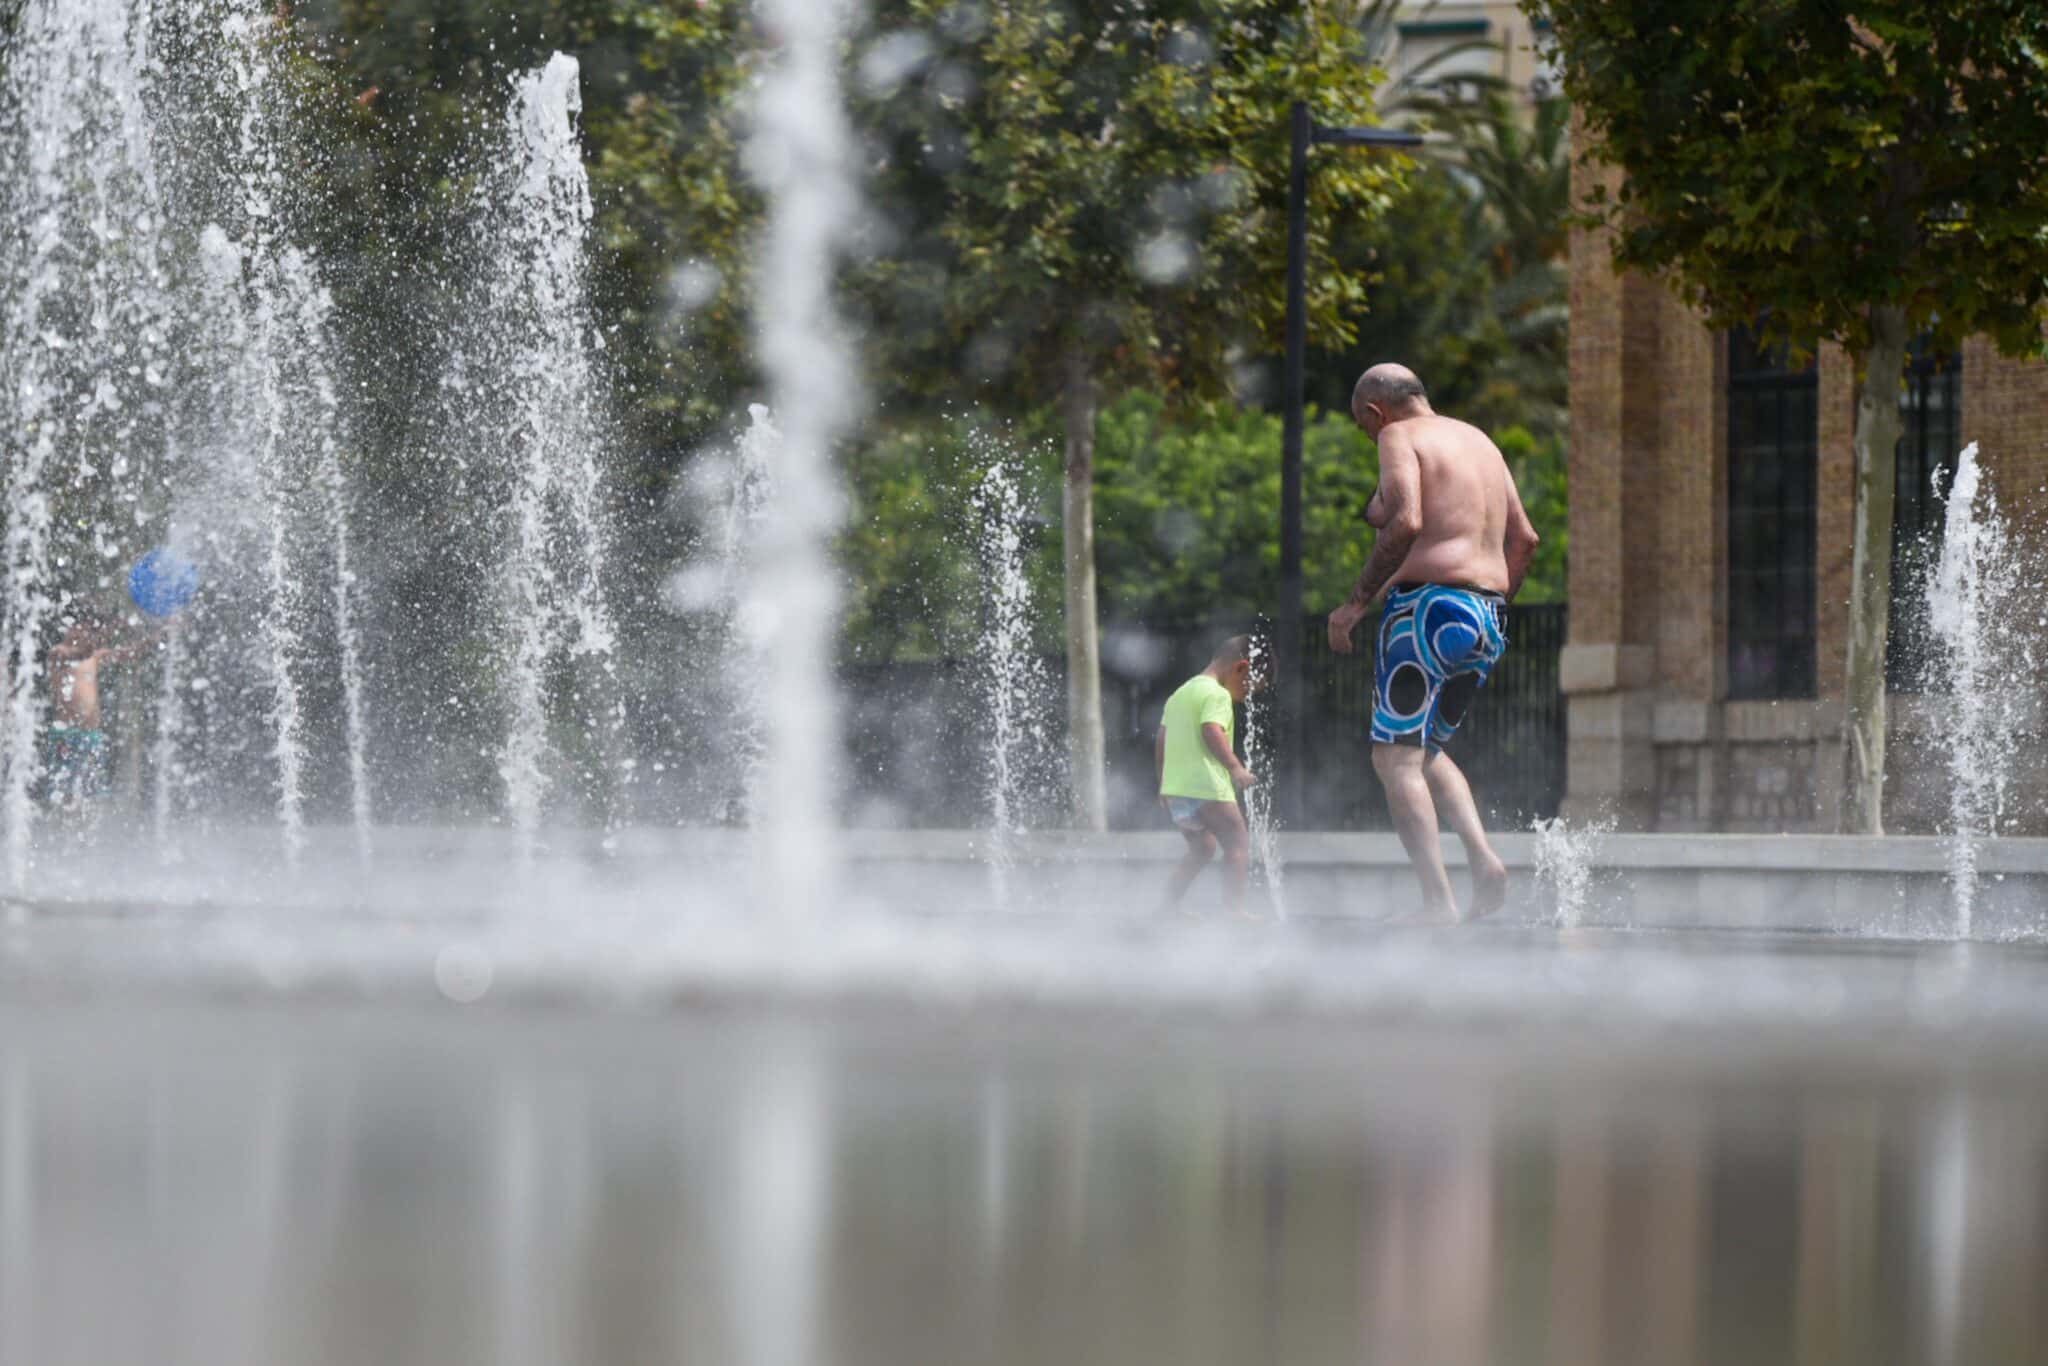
point(1454, 543)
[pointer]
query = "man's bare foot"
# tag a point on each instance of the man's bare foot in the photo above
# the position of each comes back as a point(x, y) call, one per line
point(1489, 889)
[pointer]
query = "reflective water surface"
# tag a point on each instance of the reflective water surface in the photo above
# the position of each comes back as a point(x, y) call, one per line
point(245, 1176)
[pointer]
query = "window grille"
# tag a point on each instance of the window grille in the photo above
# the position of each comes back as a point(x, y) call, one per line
point(1773, 453)
point(1930, 437)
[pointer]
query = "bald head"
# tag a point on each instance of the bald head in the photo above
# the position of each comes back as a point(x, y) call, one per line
point(1391, 388)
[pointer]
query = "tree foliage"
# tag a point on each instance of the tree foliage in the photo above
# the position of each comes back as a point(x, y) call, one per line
point(1466, 276)
point(662, 122)
point(1109, 177)
point(1800, 161)
point(1186, 502)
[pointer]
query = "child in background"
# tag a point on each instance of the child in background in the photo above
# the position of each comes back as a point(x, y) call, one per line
point(78, 762)
point(1200, 774)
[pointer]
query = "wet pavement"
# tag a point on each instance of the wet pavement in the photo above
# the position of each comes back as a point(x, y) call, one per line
point(1548, 1148)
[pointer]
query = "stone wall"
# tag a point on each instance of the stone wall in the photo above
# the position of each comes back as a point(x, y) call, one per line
point(1654, 744)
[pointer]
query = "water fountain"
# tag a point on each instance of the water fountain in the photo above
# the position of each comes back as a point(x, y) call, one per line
point(583, 1129)
point(1982, 598)
point(1013, 686)
point(1258, 799)
point(1566, 854)
point(731, 494)
point(802, 155)
point(85, 334)
point(172, 344)
point(528, 389)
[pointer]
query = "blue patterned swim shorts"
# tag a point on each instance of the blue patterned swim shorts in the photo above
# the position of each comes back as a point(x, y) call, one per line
point(1437, 646)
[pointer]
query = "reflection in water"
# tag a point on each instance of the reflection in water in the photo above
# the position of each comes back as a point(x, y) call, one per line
point(1947, 1212)
point(323, 1184)
point(1429, 1235)
point(781, 1191)
point(17, 1208)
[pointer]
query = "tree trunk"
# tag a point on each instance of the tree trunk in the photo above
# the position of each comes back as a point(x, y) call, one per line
point(1870, 591)
point(1079, 400)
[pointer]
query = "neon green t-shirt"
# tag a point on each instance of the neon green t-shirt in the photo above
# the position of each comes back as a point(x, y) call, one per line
point(1191, 770)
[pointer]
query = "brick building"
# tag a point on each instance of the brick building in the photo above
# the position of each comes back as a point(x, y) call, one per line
point(1712, 490)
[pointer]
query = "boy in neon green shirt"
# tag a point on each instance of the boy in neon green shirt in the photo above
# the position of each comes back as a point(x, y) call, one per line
point(1200, 774)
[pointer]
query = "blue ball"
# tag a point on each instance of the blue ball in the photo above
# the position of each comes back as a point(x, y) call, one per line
point(162, 582)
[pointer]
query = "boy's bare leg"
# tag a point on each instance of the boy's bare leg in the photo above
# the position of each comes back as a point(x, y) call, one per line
point(1455, 807)
point(1400, 770)
point(1226, 823)
point(1201, 848)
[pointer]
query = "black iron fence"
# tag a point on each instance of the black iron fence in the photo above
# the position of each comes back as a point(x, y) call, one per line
point(1511, 744)
point(918, 734)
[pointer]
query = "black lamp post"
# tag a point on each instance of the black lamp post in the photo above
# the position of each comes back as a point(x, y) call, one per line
point(1287, 643)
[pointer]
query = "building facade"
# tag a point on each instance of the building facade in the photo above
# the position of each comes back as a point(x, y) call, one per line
point(1444, 43)
point(1712, 491)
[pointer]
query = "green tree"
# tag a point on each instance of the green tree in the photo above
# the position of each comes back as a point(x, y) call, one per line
point(1466, 274)
point(909, 547)
point(1186, 505)
point(1080, 200)
point(1186, 501)
point(662, 88)
point(1856, 171)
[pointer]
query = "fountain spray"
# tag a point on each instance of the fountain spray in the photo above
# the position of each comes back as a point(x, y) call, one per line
point(81, 324)
point(1978, 593)
point(1010, 675)
point(1258, 799)
point(802, 155)
point(541, 410)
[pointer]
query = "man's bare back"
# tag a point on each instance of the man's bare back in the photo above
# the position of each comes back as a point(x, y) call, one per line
point(1465, 495)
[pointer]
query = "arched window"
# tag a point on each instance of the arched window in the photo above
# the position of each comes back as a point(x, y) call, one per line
point(1773, 522)
point(1931, 412)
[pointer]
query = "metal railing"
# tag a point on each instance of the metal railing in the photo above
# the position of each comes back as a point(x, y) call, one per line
point(915, 745)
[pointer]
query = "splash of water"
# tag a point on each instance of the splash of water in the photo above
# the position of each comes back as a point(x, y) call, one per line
point(1012, 678)
point(1258, 799)
point(733, 495)
point(1566, 855)
point(802, 154)
point(83, 334)
point(332, 483)
point(538, 391)
point(270, 425)
point(265, 410)
point(170, 732)
point(1979, 593)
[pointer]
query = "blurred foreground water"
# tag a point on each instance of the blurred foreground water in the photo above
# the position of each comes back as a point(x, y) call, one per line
point(1838, 1153)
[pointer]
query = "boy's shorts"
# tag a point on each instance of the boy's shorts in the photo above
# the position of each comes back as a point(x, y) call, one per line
point(78, 765)
point(1186, 813)
point(1437, 645)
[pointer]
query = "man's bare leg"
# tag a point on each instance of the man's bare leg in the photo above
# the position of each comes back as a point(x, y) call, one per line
point(1224, 821)
point(1400, 770)
point(1201, 848)
point(1456, 808)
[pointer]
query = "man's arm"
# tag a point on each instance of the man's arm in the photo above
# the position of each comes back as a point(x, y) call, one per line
point(132, 649)
point(1396, 509)
point(1399, 516)
point(1519, 538)
point(1159, 763)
